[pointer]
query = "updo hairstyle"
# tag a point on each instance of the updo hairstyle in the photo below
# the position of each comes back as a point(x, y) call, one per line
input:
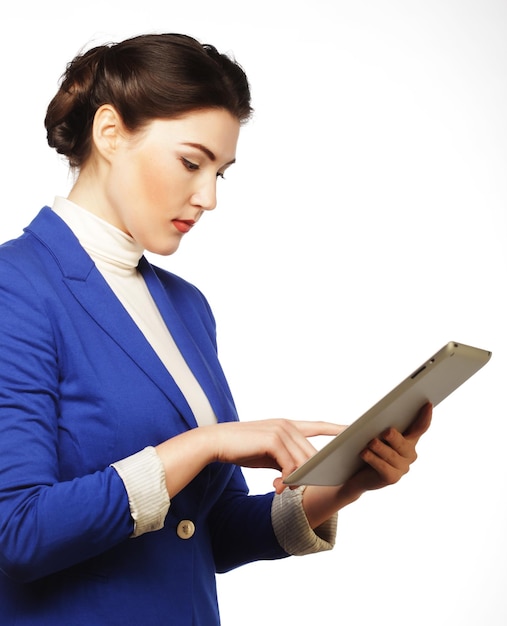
point(144, 78)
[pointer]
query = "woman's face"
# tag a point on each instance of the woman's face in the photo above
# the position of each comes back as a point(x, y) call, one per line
point(161, 179)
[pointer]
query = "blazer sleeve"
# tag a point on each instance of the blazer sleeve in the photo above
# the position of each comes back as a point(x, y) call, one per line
point(45, 524)
point(241, 527)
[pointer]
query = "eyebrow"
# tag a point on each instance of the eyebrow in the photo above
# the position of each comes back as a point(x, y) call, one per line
point(211, 156)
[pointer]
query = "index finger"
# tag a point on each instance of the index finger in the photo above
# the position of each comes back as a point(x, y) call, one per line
point(314, 429)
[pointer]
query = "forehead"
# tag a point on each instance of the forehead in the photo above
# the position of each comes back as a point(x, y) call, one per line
point(215, 129)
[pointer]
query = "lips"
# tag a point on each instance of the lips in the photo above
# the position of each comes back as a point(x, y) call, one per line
point(183, 225)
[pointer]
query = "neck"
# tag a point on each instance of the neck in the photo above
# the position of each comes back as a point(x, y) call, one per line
point(89, 193)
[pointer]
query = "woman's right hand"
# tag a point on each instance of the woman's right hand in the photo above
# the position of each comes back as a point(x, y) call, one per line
point(276, 443)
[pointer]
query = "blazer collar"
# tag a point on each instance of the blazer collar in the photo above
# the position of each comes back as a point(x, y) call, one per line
point(94, 294)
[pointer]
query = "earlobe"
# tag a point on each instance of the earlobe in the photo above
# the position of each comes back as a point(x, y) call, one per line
point(107, 129)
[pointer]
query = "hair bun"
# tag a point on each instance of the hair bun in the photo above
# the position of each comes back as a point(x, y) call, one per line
point(70, 113)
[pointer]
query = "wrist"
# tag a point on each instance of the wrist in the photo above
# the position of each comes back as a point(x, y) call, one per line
point(184, 456)
point(346, 495)
point(321, 503)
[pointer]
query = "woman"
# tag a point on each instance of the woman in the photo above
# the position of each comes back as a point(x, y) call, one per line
point(121, 493)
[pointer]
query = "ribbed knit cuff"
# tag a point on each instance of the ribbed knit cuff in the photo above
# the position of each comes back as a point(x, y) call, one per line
point(292, 530)
point(144, 479)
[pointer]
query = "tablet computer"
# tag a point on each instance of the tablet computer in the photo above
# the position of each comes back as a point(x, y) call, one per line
point(431, 382)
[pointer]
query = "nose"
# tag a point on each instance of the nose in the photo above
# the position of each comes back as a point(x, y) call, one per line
point(205, 197)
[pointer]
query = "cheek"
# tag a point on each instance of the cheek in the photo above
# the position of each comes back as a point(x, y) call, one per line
point(153, 179)
point(152, 182)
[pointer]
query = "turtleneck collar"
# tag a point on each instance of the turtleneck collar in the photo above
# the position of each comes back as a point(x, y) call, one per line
point(109, 247)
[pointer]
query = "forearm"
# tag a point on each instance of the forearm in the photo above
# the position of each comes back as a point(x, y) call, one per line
point(51, 527)
point(240, 525)
point(277, 444)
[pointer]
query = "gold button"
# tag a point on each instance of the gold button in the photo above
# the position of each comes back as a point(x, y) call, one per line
point(185, 529)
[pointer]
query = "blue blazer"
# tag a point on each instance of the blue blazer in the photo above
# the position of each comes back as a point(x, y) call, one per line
point(80, 388)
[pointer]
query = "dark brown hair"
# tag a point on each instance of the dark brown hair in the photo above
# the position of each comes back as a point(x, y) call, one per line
point(145, 77)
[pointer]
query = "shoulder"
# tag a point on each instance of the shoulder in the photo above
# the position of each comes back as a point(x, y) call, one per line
point(47, 249)
point(19, 258)
point(27, 268)
point(24, 252)
point(14, 247)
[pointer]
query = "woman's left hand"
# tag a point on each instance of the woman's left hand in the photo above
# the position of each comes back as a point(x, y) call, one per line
point(389, 456)
point(387, 459)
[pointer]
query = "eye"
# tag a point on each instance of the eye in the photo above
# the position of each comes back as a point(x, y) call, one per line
point(221, 175)
point(192, 167)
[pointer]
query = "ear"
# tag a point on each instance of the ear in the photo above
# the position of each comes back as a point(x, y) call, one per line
point(107, 131)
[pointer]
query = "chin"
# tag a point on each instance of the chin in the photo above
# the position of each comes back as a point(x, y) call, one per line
point(164, 249)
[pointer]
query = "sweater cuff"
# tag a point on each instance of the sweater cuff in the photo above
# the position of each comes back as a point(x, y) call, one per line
point(291, 527)
point(144, 479)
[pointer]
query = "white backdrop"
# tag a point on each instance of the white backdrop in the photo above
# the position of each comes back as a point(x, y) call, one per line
point(364, 226)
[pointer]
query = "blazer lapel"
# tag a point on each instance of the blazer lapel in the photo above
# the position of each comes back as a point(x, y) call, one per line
point(96, 297)
point(89, 287)
point(198, 352)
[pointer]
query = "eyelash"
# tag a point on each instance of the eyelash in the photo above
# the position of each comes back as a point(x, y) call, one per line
point(193, 167)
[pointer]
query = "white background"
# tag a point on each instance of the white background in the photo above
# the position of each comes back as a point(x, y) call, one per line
point(364, 226)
